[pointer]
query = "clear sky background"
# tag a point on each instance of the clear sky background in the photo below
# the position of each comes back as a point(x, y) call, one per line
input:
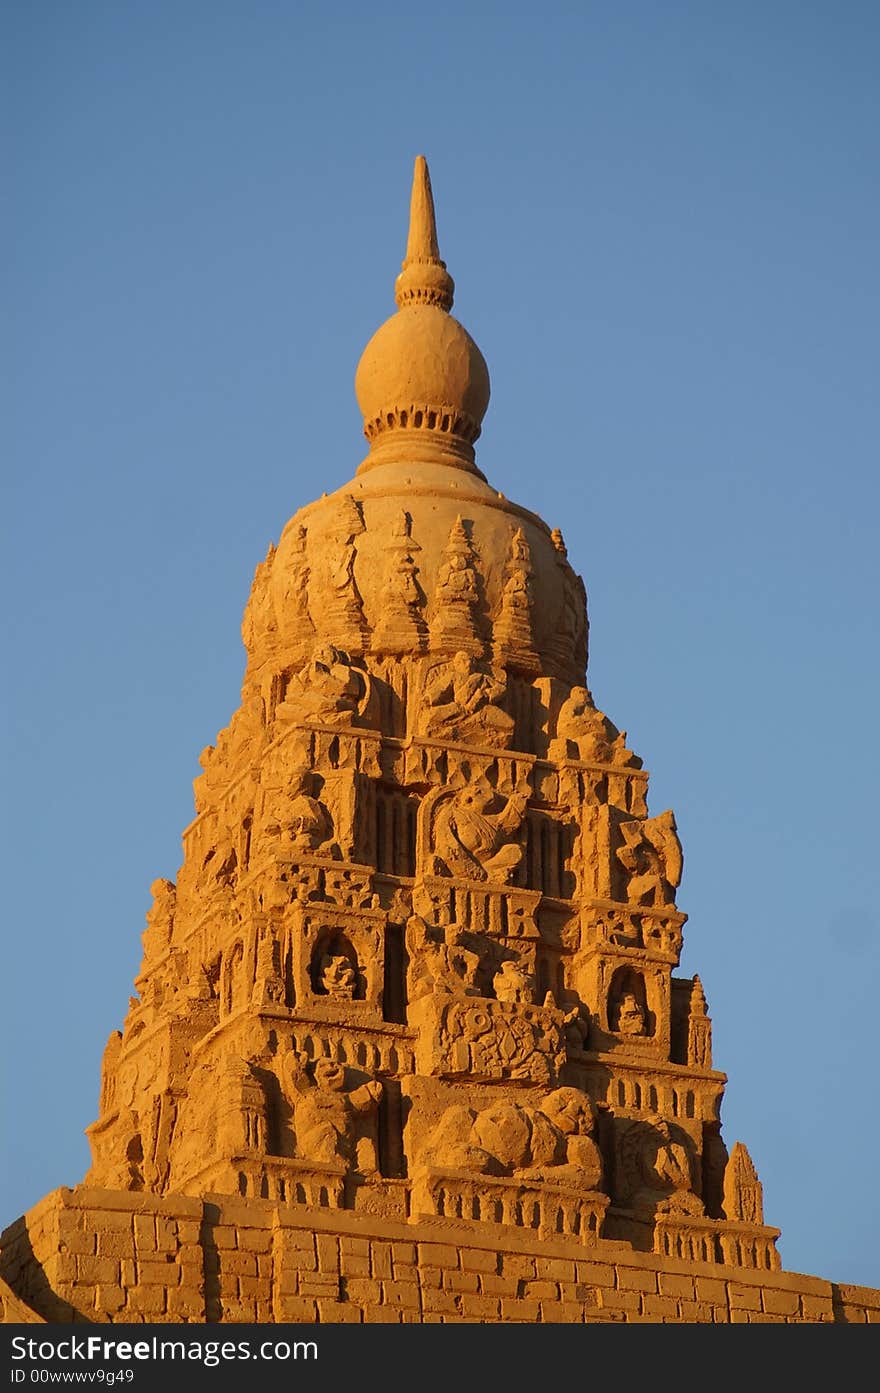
point(662, 220)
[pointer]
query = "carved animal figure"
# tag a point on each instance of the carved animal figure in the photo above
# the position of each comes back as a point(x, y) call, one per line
point(512, 983)
point(514, 1139)
point(474, 831)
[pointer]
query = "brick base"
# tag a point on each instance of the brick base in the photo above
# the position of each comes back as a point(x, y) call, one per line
point(101, 1255)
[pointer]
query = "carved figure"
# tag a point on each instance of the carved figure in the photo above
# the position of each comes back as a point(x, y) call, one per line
point(659, 1168)
point(341, 569)
point(237, 748)
point(117, 1153)
point(438, 961)
point(333, 1120)
point(310, 825)
point(337, 607)
point(513, 984)
point(464, 701)
point(160, 918)
point(456, 581)
point(628, 1016)
point(569, 643)
point(293, 612)
point(258, 623)
point(329, 689)
point(513, 1139)
point(474, 831)
point(571, 1112)
point(493, 1040)
point(584, 733)
point(338, 976)
point(514, 640)
point(219, 868)
point(651, 856)
point(296, 818)
point(576, 1027)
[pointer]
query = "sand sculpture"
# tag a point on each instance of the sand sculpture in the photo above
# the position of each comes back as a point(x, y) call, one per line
point(414, 988)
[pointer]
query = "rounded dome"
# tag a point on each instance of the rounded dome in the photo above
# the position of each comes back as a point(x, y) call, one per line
point(418, 557)
point(422, 370)
point(422, 514)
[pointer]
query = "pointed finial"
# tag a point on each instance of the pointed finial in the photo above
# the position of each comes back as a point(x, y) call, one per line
point(421, 244)
point(424, 279)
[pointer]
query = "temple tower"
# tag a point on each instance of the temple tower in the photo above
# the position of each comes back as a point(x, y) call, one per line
point(415, 986)
point(420, 955)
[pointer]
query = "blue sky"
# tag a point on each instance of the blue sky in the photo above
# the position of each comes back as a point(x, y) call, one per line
point(662, 220)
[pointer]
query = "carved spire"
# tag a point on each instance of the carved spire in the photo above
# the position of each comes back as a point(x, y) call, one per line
point(699, 1029)
point(259, 626)
point(743, 1191)
point(421, 244)
point(514, 639)
point(341, 616)
point(423, 277)
point(422, 382)
point(401, 627)
point(454, 625)
point(292, 603)
point(567, 650)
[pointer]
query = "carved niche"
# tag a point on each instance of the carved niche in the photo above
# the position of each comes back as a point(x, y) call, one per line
point(339, 959)
point(628, 1014)
point(334, 970)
